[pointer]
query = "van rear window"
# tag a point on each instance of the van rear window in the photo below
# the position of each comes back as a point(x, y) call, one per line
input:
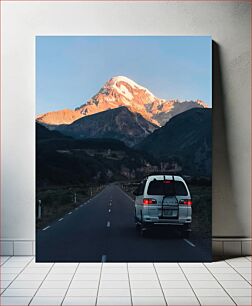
point(180, 188)
point(166, 187)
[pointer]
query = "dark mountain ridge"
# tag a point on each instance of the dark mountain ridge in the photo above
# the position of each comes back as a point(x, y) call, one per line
point(186, 139)
point(119, 123)
point(62, 160)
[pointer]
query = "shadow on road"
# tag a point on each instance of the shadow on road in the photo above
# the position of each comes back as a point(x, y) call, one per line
point(161, 233)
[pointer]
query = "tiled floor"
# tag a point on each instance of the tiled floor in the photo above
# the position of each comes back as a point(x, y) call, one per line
point(24, 282)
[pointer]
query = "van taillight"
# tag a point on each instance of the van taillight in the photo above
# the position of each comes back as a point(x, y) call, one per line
point(186, 202)
point(149, 201)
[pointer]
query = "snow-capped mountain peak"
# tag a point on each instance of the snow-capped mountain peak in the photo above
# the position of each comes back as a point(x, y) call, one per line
point(122, 84)
point(122, 91)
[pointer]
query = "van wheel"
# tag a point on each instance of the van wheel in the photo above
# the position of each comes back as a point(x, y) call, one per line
point(143, 232)
point(142, 228)
point(185, 231)
point(137, 225)
point(136, 218)
point(185, 234)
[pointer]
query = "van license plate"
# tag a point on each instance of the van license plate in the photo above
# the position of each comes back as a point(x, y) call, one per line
point(170, 213)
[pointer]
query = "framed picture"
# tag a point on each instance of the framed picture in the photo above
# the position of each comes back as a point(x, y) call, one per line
point(123, 148)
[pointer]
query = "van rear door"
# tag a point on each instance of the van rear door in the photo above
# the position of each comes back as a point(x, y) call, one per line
point(163, 190)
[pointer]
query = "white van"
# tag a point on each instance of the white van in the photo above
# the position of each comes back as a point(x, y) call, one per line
point(163, 200)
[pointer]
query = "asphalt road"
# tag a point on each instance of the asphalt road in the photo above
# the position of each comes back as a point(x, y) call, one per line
point(103, 229)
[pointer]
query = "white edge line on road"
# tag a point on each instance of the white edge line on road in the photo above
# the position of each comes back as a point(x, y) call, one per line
point(190, 243)
point(126, 194)
point(60, 219)
point(108, 224)
point(44, 229)
point(70, 213)
point(104, 258)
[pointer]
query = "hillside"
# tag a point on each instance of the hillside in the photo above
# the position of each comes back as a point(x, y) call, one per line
point(64, 116)
point(119, 123)
point(63, 161)
point(186, 139)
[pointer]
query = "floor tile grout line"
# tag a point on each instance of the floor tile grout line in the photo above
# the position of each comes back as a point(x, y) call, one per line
point(70, 283)
point(220, 284)
point(131, 299)
point(16, 276)
point(9, 257)
point(236, 271)
point(160, 284)
point(41, 283)
point(247, 258)
point(1, 266)
point(99, 282)
point(189, 283)
point(29, 262)
point(230, 260)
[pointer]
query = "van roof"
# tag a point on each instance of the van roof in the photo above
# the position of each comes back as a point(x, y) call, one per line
point(165, 177)
point(163, 174)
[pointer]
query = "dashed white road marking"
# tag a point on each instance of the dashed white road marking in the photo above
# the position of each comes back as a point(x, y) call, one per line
point(70, 213)
point(60, 219)
point(44, 229)
point(109, 210)
point(104, 258)
point(108, 224)
point(110, 204)
point(190, 243)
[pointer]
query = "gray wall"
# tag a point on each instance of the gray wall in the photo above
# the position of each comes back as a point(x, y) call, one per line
point(229, 25)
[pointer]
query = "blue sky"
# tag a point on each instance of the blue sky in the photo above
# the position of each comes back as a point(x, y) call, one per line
point(71, 69)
